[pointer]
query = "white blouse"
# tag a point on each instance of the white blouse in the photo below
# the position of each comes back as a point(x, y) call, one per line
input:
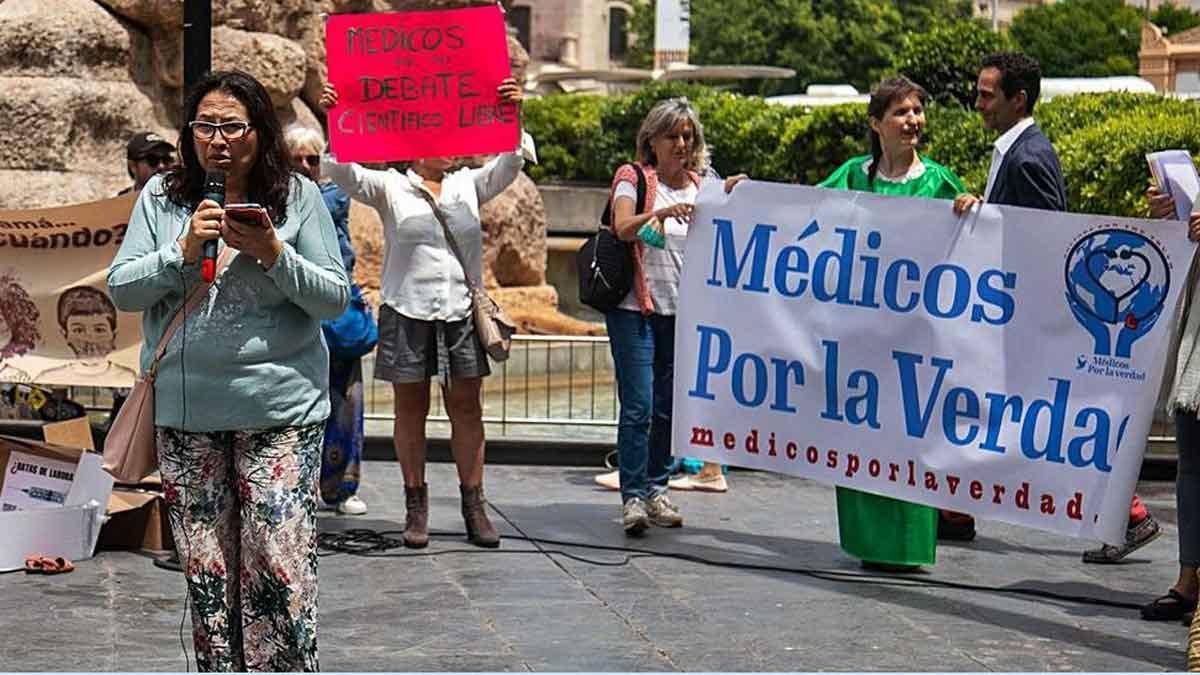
point(421, 277)
point(661, 265)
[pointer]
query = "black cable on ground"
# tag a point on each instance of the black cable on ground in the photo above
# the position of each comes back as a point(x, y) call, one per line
point(372, 543)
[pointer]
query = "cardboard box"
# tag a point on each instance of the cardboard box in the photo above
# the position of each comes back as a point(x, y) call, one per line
point(137, 519)
point(52, 500)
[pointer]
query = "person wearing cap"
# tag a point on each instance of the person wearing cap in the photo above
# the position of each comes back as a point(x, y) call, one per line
point(146, 154)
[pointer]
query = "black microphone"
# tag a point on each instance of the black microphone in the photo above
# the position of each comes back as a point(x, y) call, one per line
point(214, 189)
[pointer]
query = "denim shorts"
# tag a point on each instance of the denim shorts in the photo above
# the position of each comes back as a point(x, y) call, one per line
point(411, 350)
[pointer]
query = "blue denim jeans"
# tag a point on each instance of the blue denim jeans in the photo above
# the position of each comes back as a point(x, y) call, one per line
point(643, 349)
point(1187, 487)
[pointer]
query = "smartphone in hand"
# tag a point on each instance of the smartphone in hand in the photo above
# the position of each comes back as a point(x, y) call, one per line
point(250, 214)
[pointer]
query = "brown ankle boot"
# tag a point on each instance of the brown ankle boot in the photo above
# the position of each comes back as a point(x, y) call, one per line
point(479, 529)
point(416, 520)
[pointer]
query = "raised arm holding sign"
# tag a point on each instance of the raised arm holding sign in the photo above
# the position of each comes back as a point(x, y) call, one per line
point(425, 324)
point(419, 84)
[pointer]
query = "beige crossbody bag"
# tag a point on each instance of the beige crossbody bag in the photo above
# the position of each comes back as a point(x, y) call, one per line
point(130, 452)
point(494, 328)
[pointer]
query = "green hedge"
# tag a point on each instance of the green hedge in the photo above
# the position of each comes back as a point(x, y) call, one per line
point(563, 126)
point(1105, 164)
point(1101, 138)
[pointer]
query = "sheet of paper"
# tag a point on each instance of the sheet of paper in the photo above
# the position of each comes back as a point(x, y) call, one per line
point(1175, 173)
point(1184, 186)
point(32, 482)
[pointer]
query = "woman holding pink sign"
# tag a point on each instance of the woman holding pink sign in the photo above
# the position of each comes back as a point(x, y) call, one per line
point(425, 323)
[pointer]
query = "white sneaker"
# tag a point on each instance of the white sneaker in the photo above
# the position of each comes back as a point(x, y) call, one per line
point(633, 516)
point(610, 480)
point(352, 507)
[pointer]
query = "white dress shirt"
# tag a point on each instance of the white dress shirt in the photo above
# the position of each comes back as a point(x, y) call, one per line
point(1001, 148)
point(421, 277)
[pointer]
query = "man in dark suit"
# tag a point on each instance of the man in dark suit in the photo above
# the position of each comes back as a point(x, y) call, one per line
point(1025, 172)
point(1025, 169)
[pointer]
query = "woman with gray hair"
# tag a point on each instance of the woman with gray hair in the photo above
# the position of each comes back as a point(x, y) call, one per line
point(341, 456)
point(672, 156)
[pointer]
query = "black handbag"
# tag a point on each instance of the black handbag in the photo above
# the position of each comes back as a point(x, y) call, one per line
point(605, 263)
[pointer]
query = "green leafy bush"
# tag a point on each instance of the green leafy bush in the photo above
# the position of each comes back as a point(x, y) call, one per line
point(945, 59)
point(817, 143)
point(1065, 114)
point(1105, 163)
point(956, 138)
point(1081, 38)
point(1101, 139)
point(563, 126)
point(1174, 19)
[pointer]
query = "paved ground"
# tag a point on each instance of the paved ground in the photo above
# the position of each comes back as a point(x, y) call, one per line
point(519, 610)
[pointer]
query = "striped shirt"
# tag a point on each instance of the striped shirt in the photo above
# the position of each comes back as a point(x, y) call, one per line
point(661, 265)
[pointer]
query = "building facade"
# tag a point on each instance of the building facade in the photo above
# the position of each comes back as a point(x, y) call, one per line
point(1171, 64)
point(583, 34)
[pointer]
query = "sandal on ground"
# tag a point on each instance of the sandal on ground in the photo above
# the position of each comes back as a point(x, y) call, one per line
point(169, 561)
point(1137, 535)
point(37, 564)
point(56, 566)
point(609, 481)
point(681, 482)
point(711, 478)
point(1170, 607)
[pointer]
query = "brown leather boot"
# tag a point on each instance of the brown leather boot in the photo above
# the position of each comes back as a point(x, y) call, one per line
point(479, 529)
point(416, 520)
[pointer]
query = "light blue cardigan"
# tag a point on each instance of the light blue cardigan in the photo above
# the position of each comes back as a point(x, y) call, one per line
point(251, 357)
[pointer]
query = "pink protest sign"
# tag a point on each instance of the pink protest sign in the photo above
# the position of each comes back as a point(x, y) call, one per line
point(419, 84)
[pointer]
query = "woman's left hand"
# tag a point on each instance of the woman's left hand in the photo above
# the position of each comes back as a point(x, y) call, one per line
point(1194, 226)
point(510, 92)
point(253, 239)
point(732, 181)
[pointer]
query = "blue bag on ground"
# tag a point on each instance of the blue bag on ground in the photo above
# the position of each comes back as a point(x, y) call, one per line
point(353, 334)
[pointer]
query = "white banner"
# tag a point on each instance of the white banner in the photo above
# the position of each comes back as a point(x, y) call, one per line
point(1005, 364)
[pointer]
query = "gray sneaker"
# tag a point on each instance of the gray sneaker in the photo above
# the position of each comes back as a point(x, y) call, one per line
point(633, 516)
point(662, 512)
point(1136, 536)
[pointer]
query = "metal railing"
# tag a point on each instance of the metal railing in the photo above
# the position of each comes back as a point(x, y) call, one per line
point(551, 385)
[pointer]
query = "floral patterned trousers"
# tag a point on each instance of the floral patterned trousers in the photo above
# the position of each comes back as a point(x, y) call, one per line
point(243, 508)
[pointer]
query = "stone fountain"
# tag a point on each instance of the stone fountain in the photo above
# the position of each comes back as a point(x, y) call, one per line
point(79, 77)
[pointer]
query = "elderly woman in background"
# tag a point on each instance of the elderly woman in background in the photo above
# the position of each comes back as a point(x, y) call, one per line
point(341, 460)
point(880, 531)
point(672, 156)
point(425, 322)
point(241, 394)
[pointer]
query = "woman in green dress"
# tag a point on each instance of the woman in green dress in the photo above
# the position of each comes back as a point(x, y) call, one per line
point(883, 532)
